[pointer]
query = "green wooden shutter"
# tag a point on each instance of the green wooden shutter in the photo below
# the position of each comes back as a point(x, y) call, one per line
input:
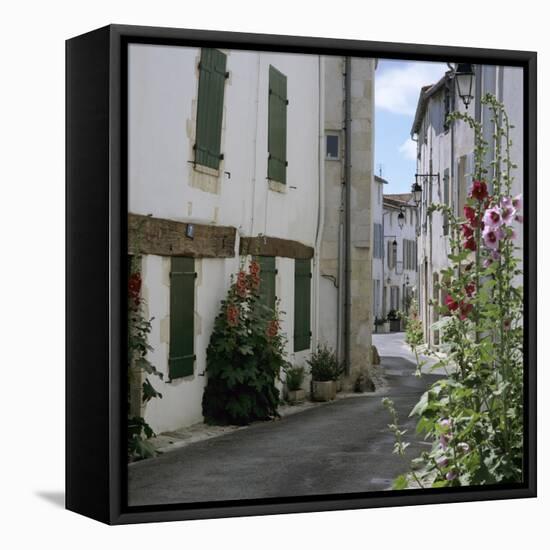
point(267, 280)
point(446, 201)
point(182, 306)
point(302, 304)
point(276, 142)
point(210, 107)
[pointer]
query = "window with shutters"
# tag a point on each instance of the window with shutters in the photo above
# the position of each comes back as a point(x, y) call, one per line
point(267, 280)
point(212, 76)
point(277, 116)
point(181, 358)
point(302, 304)
point(394, 298)
point(378, 241)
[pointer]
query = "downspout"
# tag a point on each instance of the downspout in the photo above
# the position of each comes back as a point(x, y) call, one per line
point(321, 200)
point(347, 218)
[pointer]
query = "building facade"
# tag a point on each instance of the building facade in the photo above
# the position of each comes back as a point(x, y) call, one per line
point(377, 200)
point(229, 157)
point(445, 166)
point(400, 252)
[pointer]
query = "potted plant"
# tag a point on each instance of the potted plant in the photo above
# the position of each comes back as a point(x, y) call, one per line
point(294, 380)
point(325, 370)
point(395, 320)
point(379, 324)
point(385, 325)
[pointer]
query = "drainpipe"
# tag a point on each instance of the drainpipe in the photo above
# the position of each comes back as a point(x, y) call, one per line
point(347, 218)
point(321, 200)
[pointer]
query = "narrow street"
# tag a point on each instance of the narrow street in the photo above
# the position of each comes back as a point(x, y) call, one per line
point(340, 447)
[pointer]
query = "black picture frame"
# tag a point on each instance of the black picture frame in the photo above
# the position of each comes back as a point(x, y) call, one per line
point(96, 214)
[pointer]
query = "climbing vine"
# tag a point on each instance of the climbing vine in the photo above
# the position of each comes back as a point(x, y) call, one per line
point(139, 328)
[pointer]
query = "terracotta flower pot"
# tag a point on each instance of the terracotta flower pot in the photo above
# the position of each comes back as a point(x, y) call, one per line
point(324, 391)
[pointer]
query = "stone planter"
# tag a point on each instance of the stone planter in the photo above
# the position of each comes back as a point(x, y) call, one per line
point(296, 396)
point(395, 325)
point(386, 327)
point(323, 391)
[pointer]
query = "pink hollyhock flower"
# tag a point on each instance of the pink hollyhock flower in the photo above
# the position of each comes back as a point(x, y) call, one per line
point(517, 202)
point(491, 237)
point(487, 262)
point(450, 476)
point(493, 217)
point(479, 191)
point(507, 211)
point(519, 218)
point(442, 462)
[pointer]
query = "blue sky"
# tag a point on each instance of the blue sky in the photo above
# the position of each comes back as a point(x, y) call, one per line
point(397, 87)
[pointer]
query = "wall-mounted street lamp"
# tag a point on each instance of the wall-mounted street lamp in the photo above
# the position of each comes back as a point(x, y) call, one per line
point(416, 191)
point(394, 246)
point(401, 218)
point(464, 77)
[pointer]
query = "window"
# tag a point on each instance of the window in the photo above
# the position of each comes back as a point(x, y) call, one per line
point(409, 254)
point(378, 241)
point(267, 280)
point(376, 297)
point(212, 77)
point(182, 318)
point(333, 147)
point(302, 304)
point(276, 138)
point(394, 298)
point(392, 254)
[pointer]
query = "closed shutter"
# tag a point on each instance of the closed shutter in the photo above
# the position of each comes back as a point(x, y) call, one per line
point(302, 304)
point(182, 306)
point(446, 201)
point(210, 107)
point(267, 280)
point(276, 142)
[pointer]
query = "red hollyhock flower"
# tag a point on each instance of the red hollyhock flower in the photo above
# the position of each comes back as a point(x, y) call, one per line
point(451, 304)
point(479, 190)
point(470, 289)
point(233, 315)
point(467, 231)
point(273, 328)
point(134, 287)
point(254, 268)
point(471, 216)
point(465, 310)
point(470, 244)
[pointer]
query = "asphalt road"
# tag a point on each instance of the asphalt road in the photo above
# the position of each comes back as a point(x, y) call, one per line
point(341, 447)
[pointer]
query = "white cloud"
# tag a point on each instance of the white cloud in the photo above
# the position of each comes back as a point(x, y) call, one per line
point(408, 149)
point(398, 87)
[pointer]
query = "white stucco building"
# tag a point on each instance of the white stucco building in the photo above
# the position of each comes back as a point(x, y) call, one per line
point(377, 199)
point(239, 152)
point(445, 165)
point(400, 252)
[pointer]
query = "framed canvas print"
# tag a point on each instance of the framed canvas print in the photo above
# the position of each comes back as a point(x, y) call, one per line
point(301, 274)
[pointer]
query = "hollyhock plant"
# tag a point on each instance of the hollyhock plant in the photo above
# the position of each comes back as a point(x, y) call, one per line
point(480, 341)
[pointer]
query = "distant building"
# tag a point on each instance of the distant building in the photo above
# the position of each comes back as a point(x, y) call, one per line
point(400, 249)
point(377, 247)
